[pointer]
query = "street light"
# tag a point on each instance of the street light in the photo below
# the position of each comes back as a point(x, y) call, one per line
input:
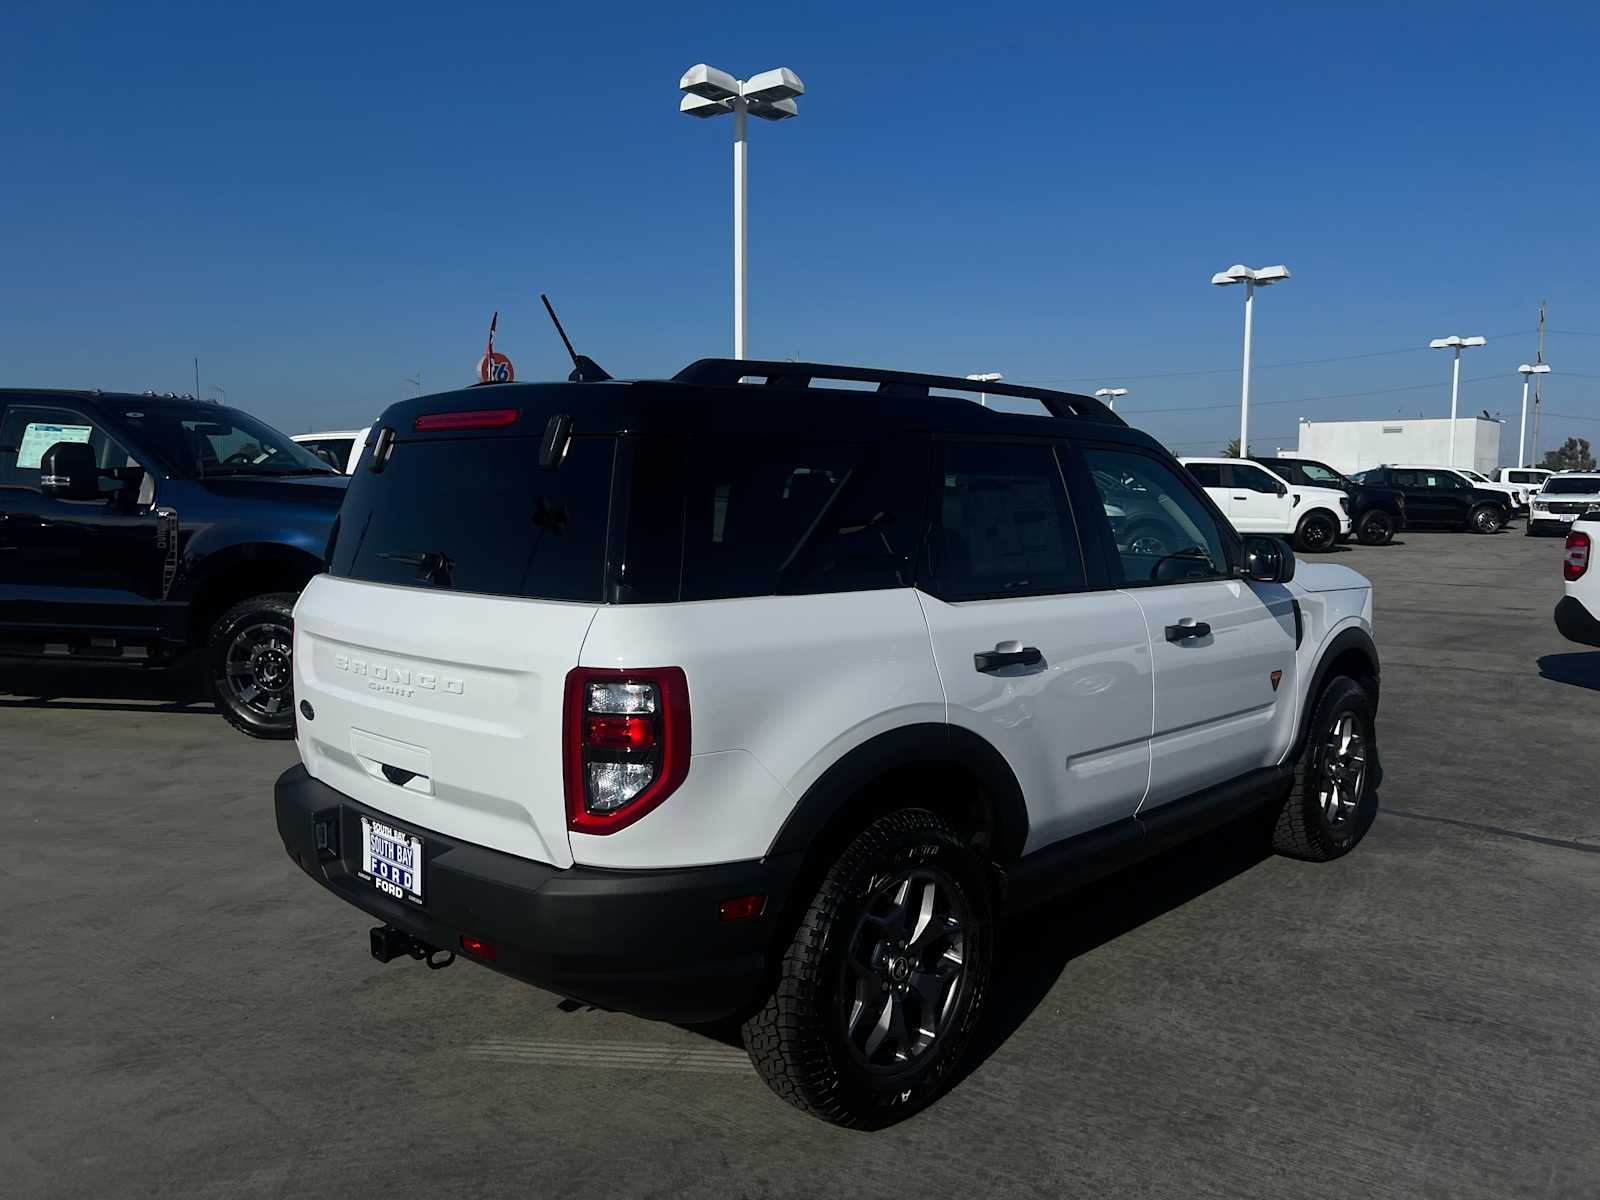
point(770, 95)
point(1522, 429)
point(1458, 344)
point(1109, 395)
point(986, 377)
point(1252, 279)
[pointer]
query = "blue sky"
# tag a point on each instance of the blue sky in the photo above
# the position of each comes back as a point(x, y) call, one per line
point(321, 200)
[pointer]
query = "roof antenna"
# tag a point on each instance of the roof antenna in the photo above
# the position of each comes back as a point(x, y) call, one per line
point(584, 368)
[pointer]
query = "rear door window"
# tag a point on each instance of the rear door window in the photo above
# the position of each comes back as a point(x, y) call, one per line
point(478, 514)
point(1207, 475)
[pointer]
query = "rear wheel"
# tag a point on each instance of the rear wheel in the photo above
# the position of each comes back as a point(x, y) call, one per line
point(1487, 518)
point(883, 982)
point(1316, 531)
point(249, 665)
point(1335, 782)
point(1376, 528)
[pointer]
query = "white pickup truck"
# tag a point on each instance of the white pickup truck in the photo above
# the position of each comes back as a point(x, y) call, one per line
point(1576, 611)
point(1259, 500)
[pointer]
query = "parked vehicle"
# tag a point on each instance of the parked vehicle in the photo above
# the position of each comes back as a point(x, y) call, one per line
point(1441, 499)
point(1530, 478)
point(705, 698)
point(1518, 492)
point(1563, 499)
point(1376, 514)
point(1258, 500)
point(145, 532)
point(339, 448)
point(1578, 610)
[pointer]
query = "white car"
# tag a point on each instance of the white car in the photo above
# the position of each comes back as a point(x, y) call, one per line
point(1516, 493)
point(701, 699)
point(1578, 610)
point(1563, 499)
point(1259, 500)
point(339, 448)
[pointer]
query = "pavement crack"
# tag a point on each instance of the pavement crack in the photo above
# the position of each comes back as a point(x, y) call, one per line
point(1561, 843)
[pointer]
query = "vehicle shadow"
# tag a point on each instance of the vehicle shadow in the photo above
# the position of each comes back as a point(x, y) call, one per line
point(87, 689)
point(1580, 668)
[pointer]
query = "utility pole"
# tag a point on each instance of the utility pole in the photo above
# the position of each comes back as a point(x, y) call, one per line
point(197, 377)
point(1538, 388)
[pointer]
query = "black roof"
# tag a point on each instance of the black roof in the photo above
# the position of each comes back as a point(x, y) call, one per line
point(95, 394)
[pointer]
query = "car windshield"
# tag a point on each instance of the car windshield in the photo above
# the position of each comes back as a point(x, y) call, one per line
point(1576, 485)
point(1322, 476)
point(1474, 476)
point(208, 441)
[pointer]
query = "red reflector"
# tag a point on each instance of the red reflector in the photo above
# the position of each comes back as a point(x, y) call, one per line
point(1577, 560)
point(742, 908)
point(481, 418)
point(620, 733)
point(477, 947)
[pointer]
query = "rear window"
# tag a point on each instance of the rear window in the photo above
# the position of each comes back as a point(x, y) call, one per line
point(478, 514)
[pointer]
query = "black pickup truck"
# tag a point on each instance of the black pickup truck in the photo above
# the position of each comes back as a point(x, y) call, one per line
point(1376, 513)
point(143, 532)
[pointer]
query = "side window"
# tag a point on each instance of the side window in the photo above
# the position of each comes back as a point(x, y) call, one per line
point(27, 431)
point(1163, 533)
point(1253, 478)
point(1403, 479)
point(1207, 475)
point(1003, 526)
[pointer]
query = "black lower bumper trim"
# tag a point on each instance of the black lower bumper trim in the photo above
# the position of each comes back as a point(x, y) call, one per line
point(1575, 622)
point(650, 943)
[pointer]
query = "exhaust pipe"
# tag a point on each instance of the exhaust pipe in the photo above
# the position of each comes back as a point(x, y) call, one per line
point(389, 943)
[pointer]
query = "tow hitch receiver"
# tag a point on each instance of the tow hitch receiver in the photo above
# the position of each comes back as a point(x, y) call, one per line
point(389, 943)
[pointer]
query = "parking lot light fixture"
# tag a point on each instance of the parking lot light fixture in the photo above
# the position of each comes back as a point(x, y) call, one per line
point(1528, 371)
point(1252, 278)
point(771, 95)
point(1109, 395)
point(985, 377)
point(1457, 344)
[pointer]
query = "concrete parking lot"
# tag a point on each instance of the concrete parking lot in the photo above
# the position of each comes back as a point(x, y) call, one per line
point(183, 1013)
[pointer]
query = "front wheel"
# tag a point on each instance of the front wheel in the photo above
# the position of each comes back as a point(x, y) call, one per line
point(1334, 797)
point(1316, 531)
point(250, 668)
point(883, 982)
point(1487, 518)
point(1376, 528)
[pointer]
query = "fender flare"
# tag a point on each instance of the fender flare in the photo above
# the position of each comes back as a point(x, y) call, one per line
point(1353, 638)
point(924, 746)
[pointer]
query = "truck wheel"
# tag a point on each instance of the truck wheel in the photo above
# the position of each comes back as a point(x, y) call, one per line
point(1335, 786)
point(882, 984)
point(1488, 518)
point(1376, 528)
point(1316, 531)
point(249, 665)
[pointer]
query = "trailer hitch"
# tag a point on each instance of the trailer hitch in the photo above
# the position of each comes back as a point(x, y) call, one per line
point(389, 943)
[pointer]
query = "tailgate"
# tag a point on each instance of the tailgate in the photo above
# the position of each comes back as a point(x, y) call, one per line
point(439, 708)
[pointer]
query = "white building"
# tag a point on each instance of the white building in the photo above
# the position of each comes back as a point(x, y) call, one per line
point(1351, 446)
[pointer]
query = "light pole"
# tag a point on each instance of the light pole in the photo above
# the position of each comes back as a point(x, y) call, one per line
point(770, 96)
point(1458, 344)
point(1522, 429)
point(986, 377)
point(1109, 395)
point(1252, 278)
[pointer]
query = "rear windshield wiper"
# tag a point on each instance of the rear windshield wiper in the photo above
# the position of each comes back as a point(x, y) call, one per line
point(433, 566)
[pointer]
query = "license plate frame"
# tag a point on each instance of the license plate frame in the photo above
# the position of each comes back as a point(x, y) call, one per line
point(392, 860)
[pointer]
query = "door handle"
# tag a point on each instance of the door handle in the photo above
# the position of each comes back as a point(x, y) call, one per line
point(1241, 497)
point(1007, 654)
point(1186, 629)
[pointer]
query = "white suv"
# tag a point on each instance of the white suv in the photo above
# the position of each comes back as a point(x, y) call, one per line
point(1562, 500)
point(734, 696)
point(1259, 500)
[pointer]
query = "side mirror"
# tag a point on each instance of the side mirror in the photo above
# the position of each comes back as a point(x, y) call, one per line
point(1283, 489)
point(68, 471)
point(1267, 560)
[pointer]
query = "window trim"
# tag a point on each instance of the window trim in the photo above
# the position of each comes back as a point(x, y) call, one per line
point(926, 578)
point(1111, 561)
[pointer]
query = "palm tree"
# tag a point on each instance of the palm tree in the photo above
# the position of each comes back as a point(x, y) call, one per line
point(1231, 450)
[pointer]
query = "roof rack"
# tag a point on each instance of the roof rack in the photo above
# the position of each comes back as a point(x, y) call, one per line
point(727, 372)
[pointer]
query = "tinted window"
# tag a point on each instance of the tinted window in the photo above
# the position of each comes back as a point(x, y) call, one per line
point(1206, 474)
point(479, 515)
point(1254, 478)
point(333, 451)
point(1402, 478)
point(1163, 533)
point(1317, 475)
point(1581, 485)
point(712, 518)
point(1003, 527)
point(28, 431)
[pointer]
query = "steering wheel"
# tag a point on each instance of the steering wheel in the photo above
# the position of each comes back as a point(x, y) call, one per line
point(241, 458)
point(1194, 554)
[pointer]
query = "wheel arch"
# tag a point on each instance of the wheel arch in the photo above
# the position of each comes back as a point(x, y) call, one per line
point(1350, 652)
point(242, 571)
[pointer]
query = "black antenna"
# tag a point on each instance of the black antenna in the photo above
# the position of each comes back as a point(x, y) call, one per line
point(584, 368)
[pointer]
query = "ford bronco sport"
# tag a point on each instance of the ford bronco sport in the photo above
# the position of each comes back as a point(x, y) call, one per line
point(755, 694)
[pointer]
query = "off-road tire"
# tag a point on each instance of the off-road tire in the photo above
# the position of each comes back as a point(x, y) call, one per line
point(797, 1039)
point(1302, 829)
point(1376, 528)
point(1316, 532)
point(272, 611)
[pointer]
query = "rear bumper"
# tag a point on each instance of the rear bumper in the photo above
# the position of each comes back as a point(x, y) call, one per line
point(650, 943)
point(1575, 622)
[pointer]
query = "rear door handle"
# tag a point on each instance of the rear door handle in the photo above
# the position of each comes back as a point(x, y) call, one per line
point(1007, 654)
point(1186, 629)
point(1241, 497)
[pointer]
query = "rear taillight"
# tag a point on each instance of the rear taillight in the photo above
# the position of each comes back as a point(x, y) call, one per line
point(626, 744)
point(1577, 560)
